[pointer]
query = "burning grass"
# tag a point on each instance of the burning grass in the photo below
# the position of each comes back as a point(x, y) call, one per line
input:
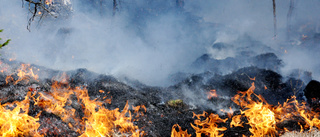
point(263, 119)
point(86, 116)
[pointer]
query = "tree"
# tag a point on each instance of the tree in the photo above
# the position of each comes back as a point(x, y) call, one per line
point(274, 18)
point(289, 19)
point(35, 8)
point(42, 8)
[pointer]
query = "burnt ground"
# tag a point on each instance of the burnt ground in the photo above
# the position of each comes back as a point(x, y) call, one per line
point(165, 106)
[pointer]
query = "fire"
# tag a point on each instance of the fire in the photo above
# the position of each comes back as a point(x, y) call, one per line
point(25, 73)
point(48, 2)
point(257, 111)
point(179, 133)
point(212, 94)
point(16, 121)
point(209, 126)
point(236, 121)
point(262, 117)
point(96, 120)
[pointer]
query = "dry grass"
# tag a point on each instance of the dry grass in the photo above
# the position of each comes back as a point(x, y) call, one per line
point(312, 133)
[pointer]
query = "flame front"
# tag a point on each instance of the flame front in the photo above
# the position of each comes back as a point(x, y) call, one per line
point(97, 120)
point(17, 122)
point(25, 73)
point(262, 118)
point(256, 112)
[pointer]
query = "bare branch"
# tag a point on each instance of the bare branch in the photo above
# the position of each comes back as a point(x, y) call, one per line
point(37, 6)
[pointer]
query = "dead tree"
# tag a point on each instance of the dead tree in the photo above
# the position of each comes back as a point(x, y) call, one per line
point(115, 7)
point(289, 19)
point(36, 8)
point(274, 18)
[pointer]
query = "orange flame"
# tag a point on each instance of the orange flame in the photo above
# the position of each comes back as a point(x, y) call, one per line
point(236, 121)
point(97, 120)
point(261, 117)
point(48, 2)
point(209, 126)
point(258, 112)
point(24, 73)
point(212, 94)
point(179, 133)
point(17, 122)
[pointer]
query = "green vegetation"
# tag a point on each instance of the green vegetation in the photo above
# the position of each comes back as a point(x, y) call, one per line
point(176, 103)
point(5, 43)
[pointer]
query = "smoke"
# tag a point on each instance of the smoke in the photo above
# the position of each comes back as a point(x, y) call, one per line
point(296, 46)
point(149, 40)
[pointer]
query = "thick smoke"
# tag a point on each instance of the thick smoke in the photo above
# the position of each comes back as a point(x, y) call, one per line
point(150, 40)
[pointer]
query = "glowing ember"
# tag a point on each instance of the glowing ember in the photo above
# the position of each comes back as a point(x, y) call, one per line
point(48, 2)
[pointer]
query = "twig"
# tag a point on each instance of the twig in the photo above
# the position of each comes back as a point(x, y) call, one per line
point(34, 12)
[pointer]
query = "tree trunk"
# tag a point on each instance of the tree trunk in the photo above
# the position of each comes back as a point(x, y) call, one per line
point(289, 19)
point(274, 18)
point(115, 7)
